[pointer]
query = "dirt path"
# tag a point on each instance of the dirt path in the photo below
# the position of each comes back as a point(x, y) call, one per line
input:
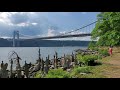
point(113, 66)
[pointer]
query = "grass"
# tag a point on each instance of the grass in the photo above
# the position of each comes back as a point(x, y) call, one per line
point(77, 70)
point(38, 75)
point(57, 73)
point(110, 67)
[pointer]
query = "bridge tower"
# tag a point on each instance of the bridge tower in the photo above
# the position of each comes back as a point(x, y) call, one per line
point(16, 42)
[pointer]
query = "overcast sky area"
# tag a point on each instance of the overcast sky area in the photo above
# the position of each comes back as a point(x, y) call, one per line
point(40, 24)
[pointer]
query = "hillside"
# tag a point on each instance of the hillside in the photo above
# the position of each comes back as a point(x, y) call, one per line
point(43, 43)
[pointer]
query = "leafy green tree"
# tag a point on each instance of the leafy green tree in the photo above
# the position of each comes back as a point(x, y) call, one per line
point(107, 29)
point(92, 45)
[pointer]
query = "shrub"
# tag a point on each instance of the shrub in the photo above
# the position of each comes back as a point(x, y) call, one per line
point(93, 46)
point(87, 59)
point(76, 71)
point(103, 52)
point(99, 57)
point(38, 75)
point(57, 73)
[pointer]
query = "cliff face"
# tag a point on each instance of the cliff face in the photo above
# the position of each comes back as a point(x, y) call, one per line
point(43, 43)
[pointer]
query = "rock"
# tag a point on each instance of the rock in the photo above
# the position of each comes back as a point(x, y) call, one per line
point(68, 70)
point(61, 67)
point(52, 67)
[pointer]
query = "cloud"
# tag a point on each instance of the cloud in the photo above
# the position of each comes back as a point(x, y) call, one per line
point(18, 18)
point(29, 23)
point(53, 31)
point(83, 12)
point(34, 24)
point(37, 23)
point(4, 17)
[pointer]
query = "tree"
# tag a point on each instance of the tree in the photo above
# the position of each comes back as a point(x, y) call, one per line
point(92, 45)
point(107, 29)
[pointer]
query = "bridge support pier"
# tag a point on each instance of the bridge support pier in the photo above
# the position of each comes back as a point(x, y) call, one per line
point(14, 40)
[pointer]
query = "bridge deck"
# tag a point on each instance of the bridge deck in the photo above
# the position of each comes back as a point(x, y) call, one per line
point(63, 36)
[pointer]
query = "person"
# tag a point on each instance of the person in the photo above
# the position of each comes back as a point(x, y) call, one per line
point(110, 50)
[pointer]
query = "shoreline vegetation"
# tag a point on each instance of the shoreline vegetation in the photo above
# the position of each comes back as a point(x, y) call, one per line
point(97, 61)
point(83, 64)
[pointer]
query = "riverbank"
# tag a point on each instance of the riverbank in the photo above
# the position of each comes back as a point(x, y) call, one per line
point(72, 67)
point(69, 66)
point(109, 67)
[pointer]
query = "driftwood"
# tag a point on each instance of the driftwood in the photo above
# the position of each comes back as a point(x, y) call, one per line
point(65, 62)
point(4, 71)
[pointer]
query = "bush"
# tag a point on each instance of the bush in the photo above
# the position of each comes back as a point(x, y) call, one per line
point(87, 59)
point(103, 52)
point(57, 73)
point(95, 49)
point(38, 75)
point(76, 71)
point(93, 46)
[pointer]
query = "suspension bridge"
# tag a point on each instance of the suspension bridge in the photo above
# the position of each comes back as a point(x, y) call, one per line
point(81, 32)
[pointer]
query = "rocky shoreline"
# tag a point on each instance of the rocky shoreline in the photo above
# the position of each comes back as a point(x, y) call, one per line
point(28, 70)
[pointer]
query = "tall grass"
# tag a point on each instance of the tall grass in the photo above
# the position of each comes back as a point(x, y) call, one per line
point(57, 73)
point(77, 70)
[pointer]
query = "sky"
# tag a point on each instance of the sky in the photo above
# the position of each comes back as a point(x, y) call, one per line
point(38, 24)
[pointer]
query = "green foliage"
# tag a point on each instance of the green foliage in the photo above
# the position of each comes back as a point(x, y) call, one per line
point(95, 49)
point(103, 52)
point(57, 73)
point(107, 29)
point(92, 45)
point(38, 75)
point(87, 59)
point(77, 70)
point(99, 57)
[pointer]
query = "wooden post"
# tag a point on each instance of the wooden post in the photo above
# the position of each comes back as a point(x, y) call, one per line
point(42, 65)
point(48, 60)
point(54, 62)
point(2, 67)
point(56, 59)
point(11, 68)
point(73, 57)
point(26, 70)
point(39, 54)
point(65, 65)
point(4, 72)
point(46, 65)
point(18, 67)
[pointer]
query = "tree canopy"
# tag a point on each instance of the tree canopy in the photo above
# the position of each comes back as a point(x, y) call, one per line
point(107, 29)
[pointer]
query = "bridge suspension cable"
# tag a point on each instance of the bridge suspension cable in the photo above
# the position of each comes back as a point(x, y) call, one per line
point(28, 36)
point(79, 28)
point(25, 35)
